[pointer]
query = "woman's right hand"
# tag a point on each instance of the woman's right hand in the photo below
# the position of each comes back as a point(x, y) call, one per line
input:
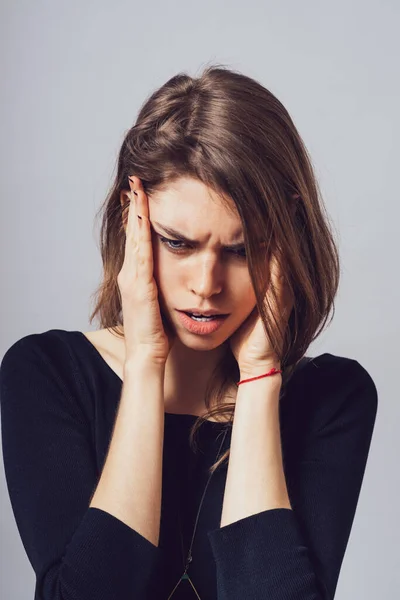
point(144, 331)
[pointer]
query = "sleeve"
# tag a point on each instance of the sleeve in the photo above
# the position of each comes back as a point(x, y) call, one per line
point(284, 554)
point(77, 552)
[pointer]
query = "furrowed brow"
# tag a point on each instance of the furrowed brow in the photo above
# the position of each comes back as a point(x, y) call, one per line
point(182, 238)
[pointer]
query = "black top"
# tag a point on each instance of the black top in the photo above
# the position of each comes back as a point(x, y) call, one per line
point(58, 405)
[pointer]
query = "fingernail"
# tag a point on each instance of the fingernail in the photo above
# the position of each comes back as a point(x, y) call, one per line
point(132, 184)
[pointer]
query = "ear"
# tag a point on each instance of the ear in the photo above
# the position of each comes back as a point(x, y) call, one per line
point(125, 199)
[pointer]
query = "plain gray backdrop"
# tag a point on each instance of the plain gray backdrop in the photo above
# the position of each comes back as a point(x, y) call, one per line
point(73, 76)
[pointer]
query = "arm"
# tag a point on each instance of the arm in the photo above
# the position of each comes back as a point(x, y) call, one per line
point(77, 551)
point(131, 480)
point(255, 485)
point(295, 551)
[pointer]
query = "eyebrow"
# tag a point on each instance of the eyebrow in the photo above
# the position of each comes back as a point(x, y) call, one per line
point(182, 238)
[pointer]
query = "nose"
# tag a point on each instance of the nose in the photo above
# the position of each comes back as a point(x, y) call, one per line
point(208, 280)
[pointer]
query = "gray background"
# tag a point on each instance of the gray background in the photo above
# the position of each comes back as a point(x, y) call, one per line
point(73, 75)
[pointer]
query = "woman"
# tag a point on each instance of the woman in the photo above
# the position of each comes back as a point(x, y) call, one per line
point(138, 465)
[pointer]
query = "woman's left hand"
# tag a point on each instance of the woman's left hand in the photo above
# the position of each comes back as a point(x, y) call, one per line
point(249, 344)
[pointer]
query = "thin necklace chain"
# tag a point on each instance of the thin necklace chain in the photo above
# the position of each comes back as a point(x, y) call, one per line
point(189, 558)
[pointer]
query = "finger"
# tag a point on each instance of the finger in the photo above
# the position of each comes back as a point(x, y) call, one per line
point(145, 251)
point(131, 236)
point(276, 272)
point(284, 295)
point(277, 289)
point(142, 200)
point(134, 207)
point(276, 279)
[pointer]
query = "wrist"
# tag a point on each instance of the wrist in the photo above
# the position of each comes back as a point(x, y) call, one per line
point(141, 362)
point(261, 389)
point(261, 369)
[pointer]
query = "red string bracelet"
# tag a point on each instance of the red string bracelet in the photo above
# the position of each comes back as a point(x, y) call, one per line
point(273, 371)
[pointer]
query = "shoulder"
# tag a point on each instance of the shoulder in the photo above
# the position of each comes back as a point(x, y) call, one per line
point(333, 374)
point(331, 390)
point(41, 363)
point(53, 344)
point(340, 376)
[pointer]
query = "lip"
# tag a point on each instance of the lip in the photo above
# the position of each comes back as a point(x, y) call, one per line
point(206, 313)
point(199, 327)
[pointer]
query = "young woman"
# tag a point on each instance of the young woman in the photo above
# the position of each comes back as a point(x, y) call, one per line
point(189, 448)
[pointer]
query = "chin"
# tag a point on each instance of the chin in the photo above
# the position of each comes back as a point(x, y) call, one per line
point(200, 342)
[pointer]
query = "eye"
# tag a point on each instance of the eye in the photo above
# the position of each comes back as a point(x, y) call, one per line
point(168, 243)
point(240, 253)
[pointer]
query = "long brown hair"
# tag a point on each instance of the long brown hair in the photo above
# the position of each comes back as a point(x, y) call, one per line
point(228, 131)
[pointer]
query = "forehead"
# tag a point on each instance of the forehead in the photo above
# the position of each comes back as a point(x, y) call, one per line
point(189, 203)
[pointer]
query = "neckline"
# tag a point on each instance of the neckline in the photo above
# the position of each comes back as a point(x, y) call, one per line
point(109, 369)
point(99, 356)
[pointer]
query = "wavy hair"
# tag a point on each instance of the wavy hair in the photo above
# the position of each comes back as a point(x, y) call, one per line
point(228, 131)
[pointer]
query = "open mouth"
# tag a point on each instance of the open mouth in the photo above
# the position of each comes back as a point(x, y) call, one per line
point(202, 318)
point(201, 325)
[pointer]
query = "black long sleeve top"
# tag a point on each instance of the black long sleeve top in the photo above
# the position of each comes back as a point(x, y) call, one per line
point(58, 400)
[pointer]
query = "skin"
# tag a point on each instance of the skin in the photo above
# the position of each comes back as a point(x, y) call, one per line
point(209, 276)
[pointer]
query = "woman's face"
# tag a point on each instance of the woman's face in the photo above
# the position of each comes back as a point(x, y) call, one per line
point(203, 274)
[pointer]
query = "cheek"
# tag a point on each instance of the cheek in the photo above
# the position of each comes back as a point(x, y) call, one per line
point(245, 293)
point(245, 310)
